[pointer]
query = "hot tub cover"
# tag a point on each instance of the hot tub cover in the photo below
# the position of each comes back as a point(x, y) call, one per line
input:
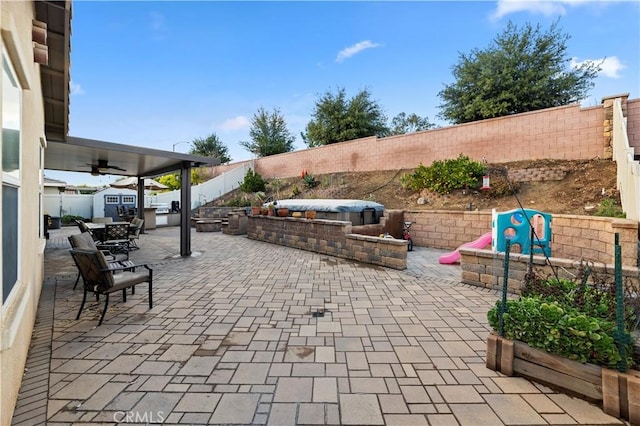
point(328, 205)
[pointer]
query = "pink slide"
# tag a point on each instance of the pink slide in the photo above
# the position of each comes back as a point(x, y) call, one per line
point(454, 256)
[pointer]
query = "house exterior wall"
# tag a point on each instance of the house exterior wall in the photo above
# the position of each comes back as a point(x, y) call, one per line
point(17, 313)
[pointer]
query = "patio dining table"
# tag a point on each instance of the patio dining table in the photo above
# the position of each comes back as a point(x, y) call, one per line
point(98, 229)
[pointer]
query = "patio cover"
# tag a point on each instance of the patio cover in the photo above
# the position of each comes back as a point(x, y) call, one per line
point(85, 155)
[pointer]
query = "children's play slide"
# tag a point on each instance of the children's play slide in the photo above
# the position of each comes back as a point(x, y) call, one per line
point(454, 256)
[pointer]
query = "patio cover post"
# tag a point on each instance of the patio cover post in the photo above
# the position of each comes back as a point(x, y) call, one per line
point(185, 209)
point(140, 201)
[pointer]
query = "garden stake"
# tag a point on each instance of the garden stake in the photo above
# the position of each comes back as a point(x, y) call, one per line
point(621, 337)
point(505, 281)
point(533, 234)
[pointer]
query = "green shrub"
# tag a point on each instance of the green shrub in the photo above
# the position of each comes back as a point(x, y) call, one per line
point(608, 208)
point(445, 176)
point(253, 182)
point(238, 201)
point(567, 319)
point(69, 218)
point(310, 180)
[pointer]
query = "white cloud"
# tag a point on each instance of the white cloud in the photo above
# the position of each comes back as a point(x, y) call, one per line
point(157, 21)
point(348, 52)
point(610, 67)
point(235, 123)
point(76, 89)
point(543, 7)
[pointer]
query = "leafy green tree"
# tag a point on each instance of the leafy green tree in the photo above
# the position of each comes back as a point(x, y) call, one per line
point(338, 119)
point(211, 146)
point(269, 134)
point(402, 124)
point(524, 69)
point(172, 181)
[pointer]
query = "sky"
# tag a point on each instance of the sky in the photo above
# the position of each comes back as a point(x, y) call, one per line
point(159, 74)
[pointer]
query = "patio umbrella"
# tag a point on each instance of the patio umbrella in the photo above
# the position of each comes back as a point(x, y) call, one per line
point(132, 183)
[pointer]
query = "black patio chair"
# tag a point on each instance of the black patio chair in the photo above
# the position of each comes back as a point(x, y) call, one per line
point(99, 277)
point(134, 232)
point(84, 241)
point(116, 238)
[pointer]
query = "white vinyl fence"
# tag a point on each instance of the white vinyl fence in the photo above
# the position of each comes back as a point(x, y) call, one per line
point(628, 168)
point(207, 191)
point(58, 205)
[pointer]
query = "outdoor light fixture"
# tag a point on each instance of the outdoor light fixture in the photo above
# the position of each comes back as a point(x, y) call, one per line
point(173, 148)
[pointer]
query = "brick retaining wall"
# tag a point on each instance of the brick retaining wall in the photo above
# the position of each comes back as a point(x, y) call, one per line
point(330, 237)
point(485, 268)
point(573, 237)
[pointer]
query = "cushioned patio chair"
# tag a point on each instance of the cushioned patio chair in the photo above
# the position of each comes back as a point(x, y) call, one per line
point(134, 232)
point(85, 241)
point(99, 277)
point(82, 226)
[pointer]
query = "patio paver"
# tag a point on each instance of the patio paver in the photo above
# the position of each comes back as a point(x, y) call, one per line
point(232, 340)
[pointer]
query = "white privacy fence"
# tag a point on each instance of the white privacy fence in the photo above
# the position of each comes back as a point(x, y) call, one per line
point(628, 169)
point(58, 205)
point(207, 191)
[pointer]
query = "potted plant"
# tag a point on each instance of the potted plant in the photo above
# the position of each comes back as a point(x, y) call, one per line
point(271, 209)
point(257, 202)
point(283, 212)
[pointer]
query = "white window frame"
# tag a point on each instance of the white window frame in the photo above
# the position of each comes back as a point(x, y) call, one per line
point(128, 199)
point(14, 178)
point(112, 199)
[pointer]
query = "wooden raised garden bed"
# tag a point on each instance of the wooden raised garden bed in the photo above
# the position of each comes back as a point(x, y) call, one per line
point(618, 393)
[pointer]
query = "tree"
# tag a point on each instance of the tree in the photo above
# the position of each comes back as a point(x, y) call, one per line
point(524, 69)
point(338, 119)
point(402, 124)
point(269, 134)
point(211, 146)
point(172, 181)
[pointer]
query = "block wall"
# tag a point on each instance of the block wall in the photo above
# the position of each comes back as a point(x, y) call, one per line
point(330, 237)
point(573, 237)
point(565, 133)
point(633, 124)
point(485, 268)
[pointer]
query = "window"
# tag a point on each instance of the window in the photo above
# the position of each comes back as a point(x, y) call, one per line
point(111, 199)
point(11, 139)
point(128, 199)
point(11, 121)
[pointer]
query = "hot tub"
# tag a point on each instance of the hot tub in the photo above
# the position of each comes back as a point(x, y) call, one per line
point(358, 212)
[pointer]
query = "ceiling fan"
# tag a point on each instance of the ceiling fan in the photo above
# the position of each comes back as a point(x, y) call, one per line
point(103, 167)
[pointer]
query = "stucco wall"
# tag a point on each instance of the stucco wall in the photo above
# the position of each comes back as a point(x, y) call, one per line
point(18, 313)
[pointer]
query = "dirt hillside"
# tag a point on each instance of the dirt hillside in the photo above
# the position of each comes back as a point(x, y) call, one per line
point(571, 187)
point(583, 185)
